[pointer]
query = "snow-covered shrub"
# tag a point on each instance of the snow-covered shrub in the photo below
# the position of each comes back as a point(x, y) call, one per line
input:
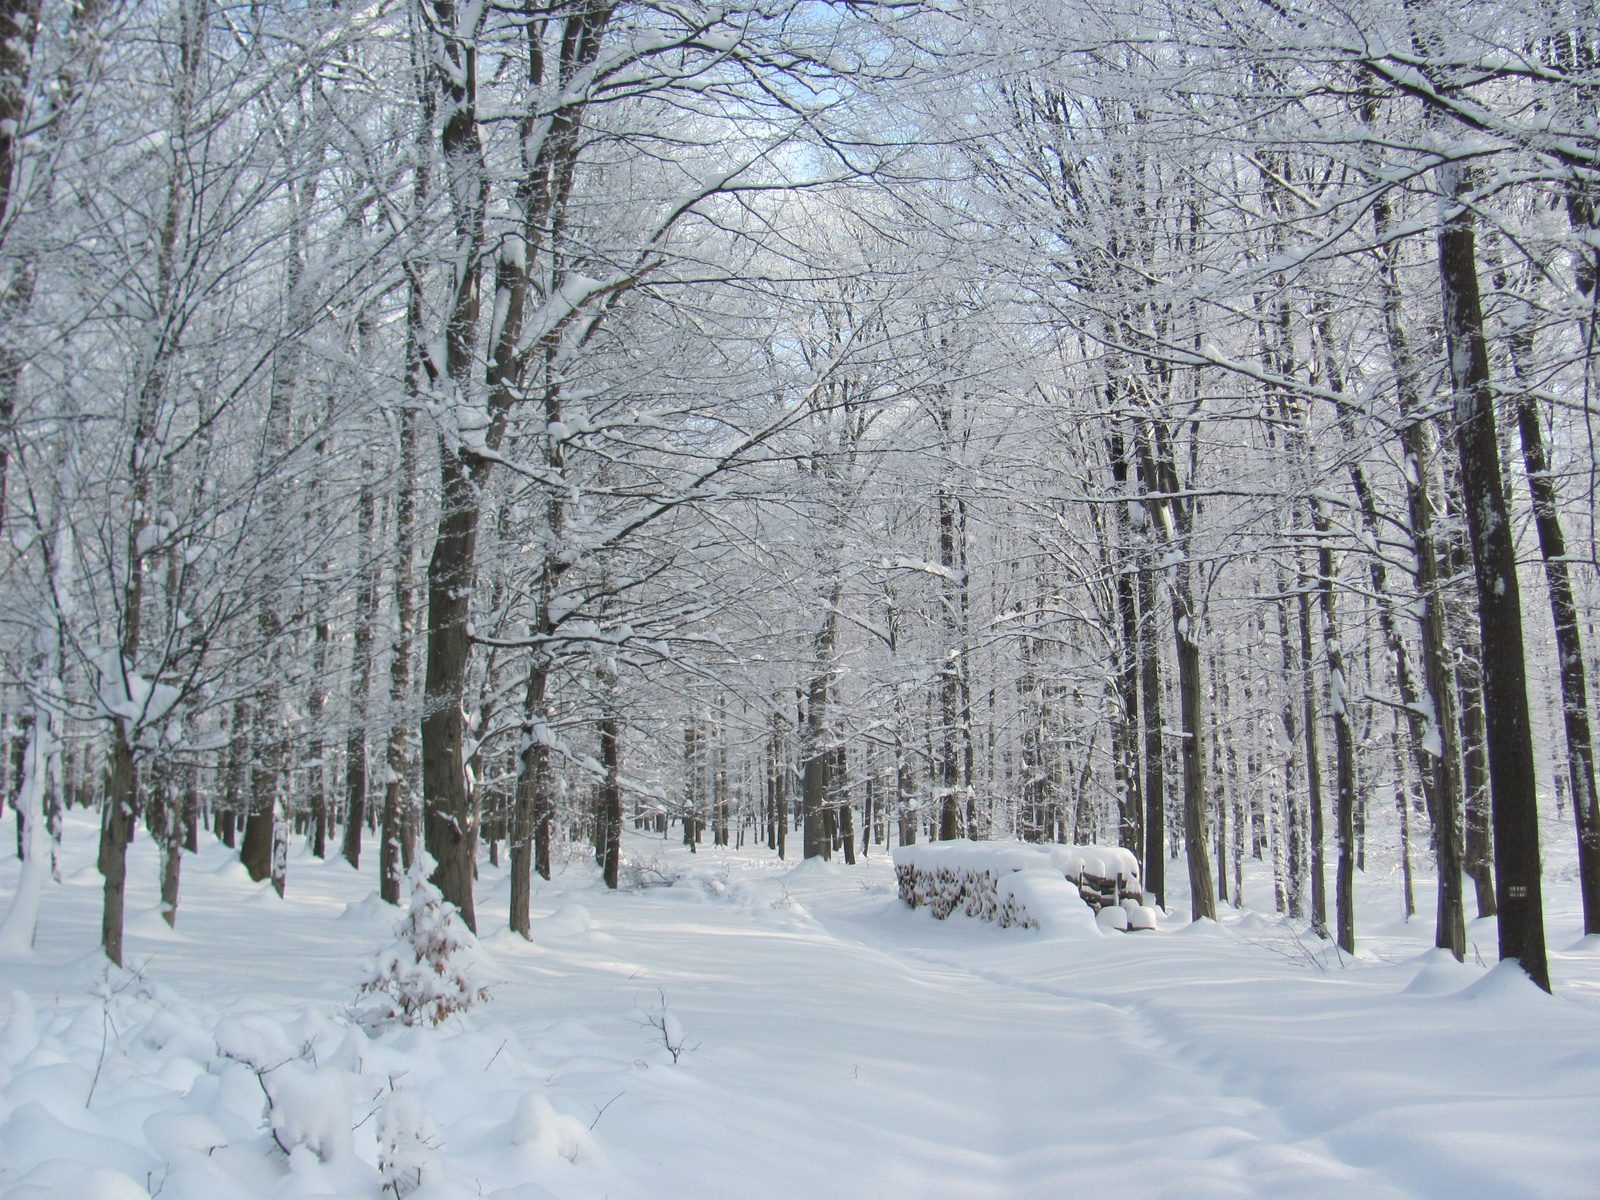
point(637, 874)
point(407, 1140)
point(965, 876)
point(432, 969)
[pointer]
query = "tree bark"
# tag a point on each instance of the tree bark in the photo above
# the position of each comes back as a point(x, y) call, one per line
point(448, 818)
point(449, 821)
point(611, 792)
point(1308, 691)
point(1564, 616)
point(1291, 832)
point(1131, 826)
point(950, 814)
point(1513, 783)
point(116, 833)
point(534, 762)
point(1202, 901)
point(1440, 737)
point(817, 755)
point(1343, 736)
point(1173, 519)
point(1155, 799)
point(366, 616)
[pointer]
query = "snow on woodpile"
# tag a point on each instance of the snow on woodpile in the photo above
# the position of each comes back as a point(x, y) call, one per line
point(1028, 884)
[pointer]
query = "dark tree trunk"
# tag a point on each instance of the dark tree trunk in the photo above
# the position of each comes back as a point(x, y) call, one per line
point(611, 796)
point(525, 815)
point(116, 833)
point(1155, 797)
point(1292, 834)
point(449, 820)
point(905, 776)
point(19, 24)
point(1130, 828)
point(392, 830)
point(816, 781)
point(1173, 519)
point(1343, 737)
point(950, 814)
point(1202, 901)
point(1513, 783)
point(1478, 842)
point(780, 789)
point(448, 817)
point(1444, 796)
point(255, 852)
point(1319, 886)
point(166, 829)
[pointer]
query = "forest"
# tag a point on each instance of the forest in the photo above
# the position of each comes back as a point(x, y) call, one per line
point(458, 425)
point(494, 434)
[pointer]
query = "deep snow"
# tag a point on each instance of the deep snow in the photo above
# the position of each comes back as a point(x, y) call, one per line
point(760, 1029)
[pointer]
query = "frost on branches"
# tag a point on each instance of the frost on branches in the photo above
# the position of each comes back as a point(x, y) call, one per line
point(432, 969)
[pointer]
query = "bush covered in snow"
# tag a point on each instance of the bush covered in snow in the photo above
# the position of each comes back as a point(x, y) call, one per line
point(972, 877)
point(432, 969)
point(144, 1093)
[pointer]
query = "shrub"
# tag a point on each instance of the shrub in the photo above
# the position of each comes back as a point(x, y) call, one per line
point(432, 969)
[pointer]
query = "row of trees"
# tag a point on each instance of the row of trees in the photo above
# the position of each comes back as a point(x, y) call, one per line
point(491, 423)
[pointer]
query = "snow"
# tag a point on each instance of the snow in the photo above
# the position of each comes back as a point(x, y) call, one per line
point(123, 692)
point(762, 1029)
point(1104, 862)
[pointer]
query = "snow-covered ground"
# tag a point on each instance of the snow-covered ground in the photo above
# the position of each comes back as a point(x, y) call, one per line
point(763, 1030)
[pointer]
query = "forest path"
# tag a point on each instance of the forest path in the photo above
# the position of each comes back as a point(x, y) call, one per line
point(843, 1046)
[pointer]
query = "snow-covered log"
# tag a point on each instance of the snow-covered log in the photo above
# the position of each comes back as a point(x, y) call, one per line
point(976, 878)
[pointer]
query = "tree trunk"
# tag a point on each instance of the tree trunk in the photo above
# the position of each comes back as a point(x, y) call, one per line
point(1402, 802)
point(1155, 799)
point(1343, 737)
point(1478, 842)
point(611, 792)
point(19, 24)
point(166, 828)
point(1290, 833)
point(1308, 688)
point(1441, 736)
point(950, 814)
point(448, 818)
point(1513, 784)
point(1202, 899)
point(191, 809)
point(525, 815)
point(1130, 797)
point(816, 782)
point(366, 616)
point(163, 331)
point(1569, 642)
point(116, 833)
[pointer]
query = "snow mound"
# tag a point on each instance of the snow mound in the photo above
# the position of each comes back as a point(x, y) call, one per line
point(140, 1093)
point(1052, 903)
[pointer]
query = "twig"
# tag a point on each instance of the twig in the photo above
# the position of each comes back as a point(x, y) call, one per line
point(137, 976)
point(272, 1105)
point(601, 1111)
point(105, 1022)
point(495, 1055)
